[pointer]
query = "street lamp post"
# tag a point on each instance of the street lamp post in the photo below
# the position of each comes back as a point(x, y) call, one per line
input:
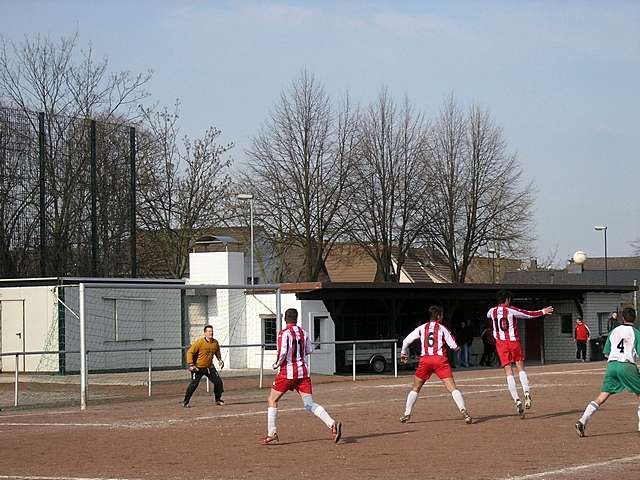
point(492, 252)
point(249, 196)
point(603, 228)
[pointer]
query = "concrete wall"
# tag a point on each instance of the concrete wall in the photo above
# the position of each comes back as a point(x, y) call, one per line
point(32, 313)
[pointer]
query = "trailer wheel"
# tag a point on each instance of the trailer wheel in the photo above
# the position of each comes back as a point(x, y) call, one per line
point(378, 364)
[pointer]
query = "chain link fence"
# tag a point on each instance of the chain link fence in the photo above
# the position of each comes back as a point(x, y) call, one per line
point(67, 196)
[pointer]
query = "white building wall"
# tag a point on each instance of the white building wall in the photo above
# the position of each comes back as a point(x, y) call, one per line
point(226, 307)
point(263, 305)
point(147, 318)
point(39, 331)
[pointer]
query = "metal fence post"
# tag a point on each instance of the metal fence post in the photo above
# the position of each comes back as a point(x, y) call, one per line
point(42, 188)
point(83, 351)
point(15, 393)
point(132, 201)
point(354, 362)
point(149, 379)
point(94, 195)
point(261, 364)
point(395, 359)
point(278, 309)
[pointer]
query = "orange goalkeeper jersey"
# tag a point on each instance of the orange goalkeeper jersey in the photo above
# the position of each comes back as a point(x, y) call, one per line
point(201, 353)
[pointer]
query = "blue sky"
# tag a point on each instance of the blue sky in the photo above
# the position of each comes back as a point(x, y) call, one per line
point(562, 78)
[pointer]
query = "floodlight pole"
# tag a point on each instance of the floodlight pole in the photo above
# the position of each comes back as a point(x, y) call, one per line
point(249, 196)
point(603, 228)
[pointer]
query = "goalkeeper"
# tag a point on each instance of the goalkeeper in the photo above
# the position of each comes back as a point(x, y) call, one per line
point(200, 362)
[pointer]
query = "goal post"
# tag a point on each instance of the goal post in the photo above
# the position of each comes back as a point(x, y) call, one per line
point(128, 326)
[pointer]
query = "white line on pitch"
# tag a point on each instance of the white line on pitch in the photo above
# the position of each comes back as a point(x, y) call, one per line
point(33, 477)
point(25, 424)
point(174, 421)
point(577, 468)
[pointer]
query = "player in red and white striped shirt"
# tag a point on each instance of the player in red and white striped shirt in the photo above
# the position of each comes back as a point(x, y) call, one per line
point(293, 347)
point(434, 340)
point(505, 330)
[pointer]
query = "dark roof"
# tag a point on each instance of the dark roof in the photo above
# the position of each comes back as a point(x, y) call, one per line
point(361, 290)
point(562, 277)
point(613, 263)
point(53, 281)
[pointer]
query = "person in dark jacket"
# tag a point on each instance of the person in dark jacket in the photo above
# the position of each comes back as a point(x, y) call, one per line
point(489, 344)
point(612, 322)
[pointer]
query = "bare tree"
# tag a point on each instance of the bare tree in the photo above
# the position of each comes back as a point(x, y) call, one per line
point(299, 168)
point(479, 195)
point(68, 85)
point(183, 186)
point(390, 184)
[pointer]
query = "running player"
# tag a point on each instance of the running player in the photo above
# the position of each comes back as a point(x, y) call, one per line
point(622, 371)
point(433, 337)
point(293, 347)
point(505, 331)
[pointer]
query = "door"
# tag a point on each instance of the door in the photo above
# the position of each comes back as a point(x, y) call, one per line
point(12, 321)
point(532, 336)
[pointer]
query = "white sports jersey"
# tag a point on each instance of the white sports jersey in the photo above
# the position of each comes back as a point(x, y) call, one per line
point(503, 319)
point(293, 347)
point(433, 337)
point(623, 344)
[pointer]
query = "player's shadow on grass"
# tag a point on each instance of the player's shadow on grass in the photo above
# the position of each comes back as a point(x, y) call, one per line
point(488, 418)
point(557, 414)
point(608, 434)
point(356, 438)
point(529, 417)
point(249, 402)
point(434, 420)
point(351, 438)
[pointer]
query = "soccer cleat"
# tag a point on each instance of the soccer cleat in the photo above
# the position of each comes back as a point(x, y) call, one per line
point(580, 428)
point(270, 439)
point(220, 402)
point(336, 431)
point(467, 418)
point(185, 405)
point(527, 400)
point(520, 408)
point(405, 418)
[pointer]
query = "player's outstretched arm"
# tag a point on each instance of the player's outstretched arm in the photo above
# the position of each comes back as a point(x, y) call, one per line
point(409, 339)
point(521, 313)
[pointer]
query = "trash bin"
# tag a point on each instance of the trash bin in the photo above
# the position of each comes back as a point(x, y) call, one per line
point(595, 344)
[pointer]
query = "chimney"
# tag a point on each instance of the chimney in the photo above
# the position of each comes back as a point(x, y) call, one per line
point(574, 268)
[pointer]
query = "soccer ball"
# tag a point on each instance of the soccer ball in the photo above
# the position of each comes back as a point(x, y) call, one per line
point(579, 257)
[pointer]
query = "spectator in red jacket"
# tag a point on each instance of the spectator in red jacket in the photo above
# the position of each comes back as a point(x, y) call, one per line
point(581, 335)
